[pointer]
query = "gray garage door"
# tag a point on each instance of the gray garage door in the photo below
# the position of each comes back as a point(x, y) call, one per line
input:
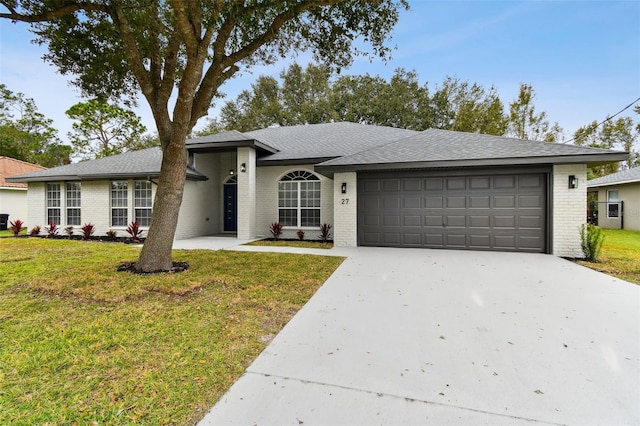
point(480, 212)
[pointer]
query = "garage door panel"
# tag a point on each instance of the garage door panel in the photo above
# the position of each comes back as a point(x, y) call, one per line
point(480, 202)
point(484, 212)
point(412, 202)
point(391, 185)
point(456, 221)
point(434, 184)
point(504, 201)
point(412, 221)
point(431, 202)
point(456, 202)
point(480, 221)
point(435, 221)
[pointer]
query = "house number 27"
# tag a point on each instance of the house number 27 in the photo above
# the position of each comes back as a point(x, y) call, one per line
point(345, 201)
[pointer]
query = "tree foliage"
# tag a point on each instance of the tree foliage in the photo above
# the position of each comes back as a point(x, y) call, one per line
point(316, 95)
point(102, 129)
point(621, 134)
point(526, 123)
point(26, 134)
point(189, 48)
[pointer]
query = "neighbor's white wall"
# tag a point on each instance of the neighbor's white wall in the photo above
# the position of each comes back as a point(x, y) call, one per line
point(569, 209)
point(267, 200)
point(36, 205)
point(13, 201)
point(345, 210)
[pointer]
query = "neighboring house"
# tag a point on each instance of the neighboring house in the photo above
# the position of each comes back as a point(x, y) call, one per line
point(377, 186)
point(13, 195)
point(618, 199)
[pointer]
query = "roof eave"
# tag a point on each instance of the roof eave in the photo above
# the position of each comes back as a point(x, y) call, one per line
point(618, 182)
point(101, 176)
point(226, 146)
point(589, 159)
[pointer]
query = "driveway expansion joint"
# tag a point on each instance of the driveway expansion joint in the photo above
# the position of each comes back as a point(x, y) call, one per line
point(409, 399)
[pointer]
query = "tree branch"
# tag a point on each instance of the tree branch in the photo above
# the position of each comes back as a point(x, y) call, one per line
point(50, 15)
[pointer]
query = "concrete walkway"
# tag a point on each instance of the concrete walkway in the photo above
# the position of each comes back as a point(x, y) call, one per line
point(402, 336)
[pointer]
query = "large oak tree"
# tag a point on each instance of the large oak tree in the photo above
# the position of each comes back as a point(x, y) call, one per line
point(188, 49)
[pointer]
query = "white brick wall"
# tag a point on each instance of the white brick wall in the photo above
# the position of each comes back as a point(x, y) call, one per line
point(345, 211)
point(267, 201)
point(569, 209)
point(201, 208)
point(95, 202)
point(246, 193)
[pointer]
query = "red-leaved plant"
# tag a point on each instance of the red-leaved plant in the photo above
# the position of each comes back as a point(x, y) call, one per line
point(87, 230)
point(276, 230)
point(134, 230)
point(16, 226)
point(324, 232)
point(52, 229)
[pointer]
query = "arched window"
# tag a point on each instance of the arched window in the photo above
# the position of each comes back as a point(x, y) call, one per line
point(299, 199)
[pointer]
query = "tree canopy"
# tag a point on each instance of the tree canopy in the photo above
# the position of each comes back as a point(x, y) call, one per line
point(26, 134)
point(102, 129)
point(118, 49)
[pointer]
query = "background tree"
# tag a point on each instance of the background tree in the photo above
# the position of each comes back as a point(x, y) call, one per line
point(621, 134)
point(525, 123)
point(118, 48)
point(26, 134)
point(102, 129)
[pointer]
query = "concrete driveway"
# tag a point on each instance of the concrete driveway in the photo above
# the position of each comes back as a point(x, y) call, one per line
point(401, 336)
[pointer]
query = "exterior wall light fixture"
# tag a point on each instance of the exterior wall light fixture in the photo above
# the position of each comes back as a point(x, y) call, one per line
point(343, 188)
point(243, 167)
point(573, 182)
point(231, 172)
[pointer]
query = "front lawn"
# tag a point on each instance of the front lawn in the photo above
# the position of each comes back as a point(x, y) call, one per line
point(83, 344)
point(620, 255)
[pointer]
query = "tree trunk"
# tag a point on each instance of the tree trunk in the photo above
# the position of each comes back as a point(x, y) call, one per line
point(156, 252)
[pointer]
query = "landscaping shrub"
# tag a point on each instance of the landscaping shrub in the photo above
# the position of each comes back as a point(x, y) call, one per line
point(134, 230)
point(68, 230)
point(52, 230)
point(276, 229)
point(87, 230)
point(591, 240)
point(300, 234)
point(35, 231)
point(16, 226)
point(324, 232)
point(111, 234)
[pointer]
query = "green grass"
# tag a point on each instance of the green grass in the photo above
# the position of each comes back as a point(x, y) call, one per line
point(291, 243)
point(8, 233)
point(81, 343)
point(620, 255)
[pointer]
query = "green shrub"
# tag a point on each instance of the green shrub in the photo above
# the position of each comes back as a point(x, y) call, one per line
point(591, 240)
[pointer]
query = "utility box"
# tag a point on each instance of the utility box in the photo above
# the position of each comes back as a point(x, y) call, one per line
point(4, 221)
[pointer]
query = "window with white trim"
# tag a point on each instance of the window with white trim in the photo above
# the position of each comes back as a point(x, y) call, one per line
point(53, 203)
point(119, 203)
point(613, 204)
point(299, 199)
point(142, 202)
point(73, 203)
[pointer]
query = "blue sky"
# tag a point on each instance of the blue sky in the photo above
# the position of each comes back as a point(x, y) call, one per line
point(582, 57)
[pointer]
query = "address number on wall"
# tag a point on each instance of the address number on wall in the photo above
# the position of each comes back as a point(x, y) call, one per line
point(345, 201)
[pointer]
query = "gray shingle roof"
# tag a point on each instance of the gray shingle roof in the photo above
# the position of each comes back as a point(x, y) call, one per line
point(141, 163)
point(440, 147)
point(625, 176)
point(327, 140)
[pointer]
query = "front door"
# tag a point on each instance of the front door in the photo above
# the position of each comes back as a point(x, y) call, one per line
point(230, 205)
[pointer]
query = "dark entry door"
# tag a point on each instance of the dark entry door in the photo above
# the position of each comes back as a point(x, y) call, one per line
point(230, 207)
